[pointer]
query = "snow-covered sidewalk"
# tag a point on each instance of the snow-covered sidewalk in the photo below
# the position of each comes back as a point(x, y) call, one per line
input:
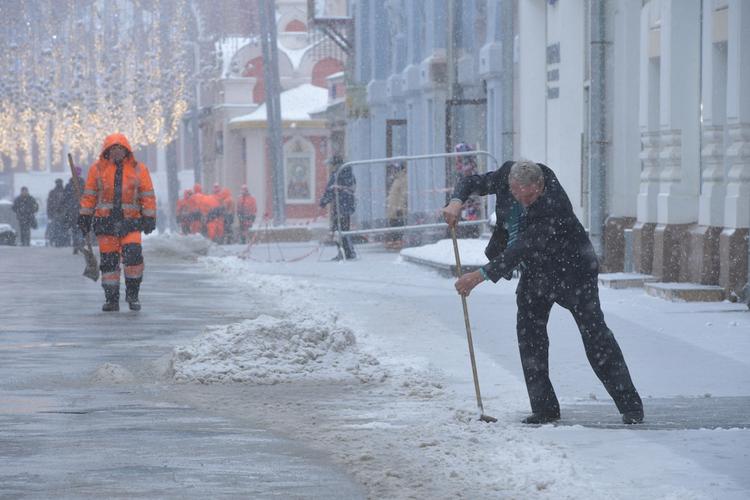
point(367, 360)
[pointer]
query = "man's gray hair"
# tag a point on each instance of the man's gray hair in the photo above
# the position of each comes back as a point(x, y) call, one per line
point(526, 172)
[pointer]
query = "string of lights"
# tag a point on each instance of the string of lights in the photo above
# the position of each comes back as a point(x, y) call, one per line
point(74, 71)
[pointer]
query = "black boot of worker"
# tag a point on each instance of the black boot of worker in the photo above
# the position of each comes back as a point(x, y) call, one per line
point(112, 297)
point(132, 287)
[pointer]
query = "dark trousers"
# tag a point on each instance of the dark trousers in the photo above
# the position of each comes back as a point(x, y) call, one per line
point(535, 298)
point(345, 221)
point(25, 230)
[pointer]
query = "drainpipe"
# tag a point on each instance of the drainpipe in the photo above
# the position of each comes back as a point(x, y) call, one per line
point(598, 116)
point(507, 37)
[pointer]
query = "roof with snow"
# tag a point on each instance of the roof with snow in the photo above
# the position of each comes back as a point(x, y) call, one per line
point(296, 105)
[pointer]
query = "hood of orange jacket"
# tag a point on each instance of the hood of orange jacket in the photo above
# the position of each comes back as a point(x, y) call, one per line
point(115, 139)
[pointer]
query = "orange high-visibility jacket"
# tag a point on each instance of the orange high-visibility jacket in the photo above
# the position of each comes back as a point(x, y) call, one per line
point(227, 201)
point(137, 192)
point(246, 205)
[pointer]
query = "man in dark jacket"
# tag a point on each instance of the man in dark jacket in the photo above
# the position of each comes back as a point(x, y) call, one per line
point(340, 194)
point(56, 215)
point(25, 207)
point(71, 211)
point(538, 232)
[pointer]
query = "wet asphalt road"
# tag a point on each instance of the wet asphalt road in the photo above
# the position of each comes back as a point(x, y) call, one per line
point(65, 435)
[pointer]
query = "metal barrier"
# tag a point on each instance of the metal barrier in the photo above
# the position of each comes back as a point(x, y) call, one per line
point(394, 159)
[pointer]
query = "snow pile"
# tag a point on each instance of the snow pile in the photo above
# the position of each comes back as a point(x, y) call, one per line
point(441, 252)
point(269, 350)
point(303, 342)
point(111, 373)
point(177, 245)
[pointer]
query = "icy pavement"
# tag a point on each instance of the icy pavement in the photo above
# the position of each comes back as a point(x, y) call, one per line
point(413, 434)
point(82, 407)
point(350, 370)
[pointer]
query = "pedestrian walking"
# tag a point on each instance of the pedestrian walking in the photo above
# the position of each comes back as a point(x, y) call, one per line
point(56, 216)
point(339, 193)
point(72, 202)
point(466, 166)
point(538, 232)
point(396, 205)
point(25, 208)
point(118, 203)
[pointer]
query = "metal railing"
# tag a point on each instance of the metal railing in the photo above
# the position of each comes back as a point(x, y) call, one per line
point(397, 229)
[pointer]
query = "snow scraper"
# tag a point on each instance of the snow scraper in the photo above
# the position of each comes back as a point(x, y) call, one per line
point(92, 266)
point(482, 416)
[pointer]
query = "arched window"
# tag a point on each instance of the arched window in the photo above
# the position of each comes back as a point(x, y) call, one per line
point(296, 25)
point(299, 171)
point(254, 68)
point(325, 68)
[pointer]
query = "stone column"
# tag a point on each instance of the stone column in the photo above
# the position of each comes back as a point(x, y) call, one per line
point(679, 122)
point(623, 177)
point(733, 242)
point(377, 103)
point(703, 247)
point(643, 230)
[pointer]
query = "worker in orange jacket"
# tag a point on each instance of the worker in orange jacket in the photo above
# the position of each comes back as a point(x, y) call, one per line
point(183, 212)
point(194, 210)
point(246, 211)
point(228, 202)
point(118, 203)
point(212, 211)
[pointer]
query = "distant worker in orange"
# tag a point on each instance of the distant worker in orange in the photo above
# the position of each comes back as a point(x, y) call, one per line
point(246, 211)
point(194, 210)
point(228, 202)
point(183, 212)
point(213, 215)
point(118, 202)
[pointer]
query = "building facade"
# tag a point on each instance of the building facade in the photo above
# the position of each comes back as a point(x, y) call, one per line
point(233, 126)
point(640, 107)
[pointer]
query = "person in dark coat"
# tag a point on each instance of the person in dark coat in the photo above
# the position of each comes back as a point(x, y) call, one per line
point(25, 207)
point(71, 211)
point(538, 233)
point(342, 185)
point(56, 215)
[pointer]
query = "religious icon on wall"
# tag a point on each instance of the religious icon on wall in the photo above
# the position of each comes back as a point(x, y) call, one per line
point(299, 179)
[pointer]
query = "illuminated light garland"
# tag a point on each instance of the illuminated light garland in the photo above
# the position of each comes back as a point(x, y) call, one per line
point(76, 71)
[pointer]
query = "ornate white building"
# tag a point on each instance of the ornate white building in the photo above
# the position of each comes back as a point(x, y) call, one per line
point(641, 107)
point(233, 129)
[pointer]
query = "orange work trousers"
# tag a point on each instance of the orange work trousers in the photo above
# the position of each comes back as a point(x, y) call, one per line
point(215, 229)
point(112, 249)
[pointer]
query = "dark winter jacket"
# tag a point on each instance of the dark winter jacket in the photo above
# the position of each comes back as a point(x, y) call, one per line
point(552, 244)
point(56, 204)
point(72, 201)
point(346, 186)
point(25, 206)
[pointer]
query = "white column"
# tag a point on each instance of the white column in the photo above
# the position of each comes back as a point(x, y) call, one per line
point(679, 112)
point(737, 207)
point(649, 116)
point(377, 102)
point(713, 92)
point(532, 80)
point(625, 173)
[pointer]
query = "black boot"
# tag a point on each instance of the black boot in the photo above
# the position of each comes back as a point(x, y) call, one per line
point(112, 297)
point(541, 418)
point(132, 287)
point(632, 417)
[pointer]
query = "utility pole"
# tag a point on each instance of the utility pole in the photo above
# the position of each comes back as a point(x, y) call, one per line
point(273, 105)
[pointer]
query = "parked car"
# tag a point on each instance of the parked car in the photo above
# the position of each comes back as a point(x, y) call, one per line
point(7, 235)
